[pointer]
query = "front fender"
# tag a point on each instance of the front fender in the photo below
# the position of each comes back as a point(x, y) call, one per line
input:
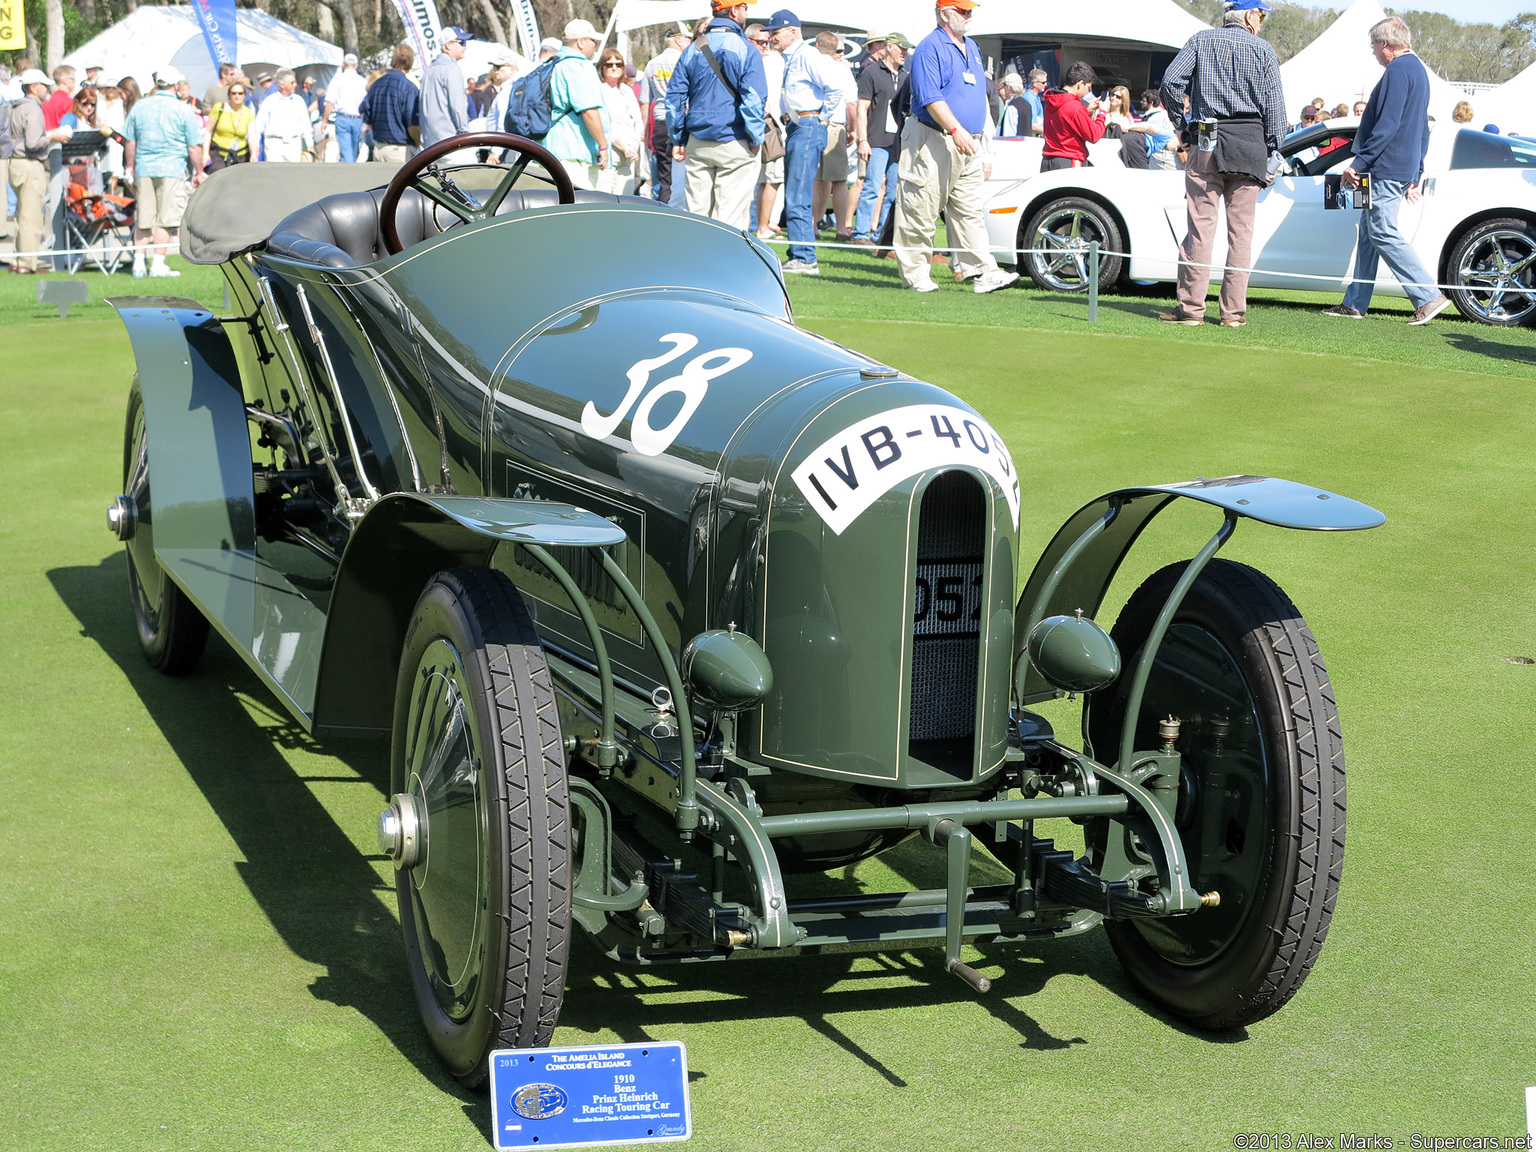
point(399, 545)
point(1086, 579)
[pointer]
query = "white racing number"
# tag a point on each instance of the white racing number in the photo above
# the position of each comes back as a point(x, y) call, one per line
point(860, 464)
point(692, 383)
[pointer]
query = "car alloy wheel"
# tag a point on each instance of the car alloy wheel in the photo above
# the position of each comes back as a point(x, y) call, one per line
point(1493, 268)
point(1057, 240)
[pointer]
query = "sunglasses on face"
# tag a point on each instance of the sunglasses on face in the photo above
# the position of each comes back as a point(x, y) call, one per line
point(613, 64)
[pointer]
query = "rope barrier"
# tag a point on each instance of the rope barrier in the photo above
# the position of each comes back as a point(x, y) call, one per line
point(1105, 252)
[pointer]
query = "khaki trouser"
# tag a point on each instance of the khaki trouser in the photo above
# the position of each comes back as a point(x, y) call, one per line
point(30, 179)
point(722, 176)
point(582, 175)
point(933, 176)
point(391, 153)
point(1205, 189)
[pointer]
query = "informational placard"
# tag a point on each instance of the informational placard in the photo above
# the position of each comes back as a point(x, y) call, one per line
point(583, 1097)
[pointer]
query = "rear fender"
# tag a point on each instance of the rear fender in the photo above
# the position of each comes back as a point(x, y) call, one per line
point(400, 544)
point(199, 445)
point(1123, 514)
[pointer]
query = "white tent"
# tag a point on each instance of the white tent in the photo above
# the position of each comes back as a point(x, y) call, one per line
point(1512, 105)
point(151, 36)
point(1160, 22)
point(1340, 67)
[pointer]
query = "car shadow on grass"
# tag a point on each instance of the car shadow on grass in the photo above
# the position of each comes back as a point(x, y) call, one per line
point(322, 895)
point(1482, 346)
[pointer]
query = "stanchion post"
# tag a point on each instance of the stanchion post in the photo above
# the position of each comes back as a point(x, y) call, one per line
point(1093, 282)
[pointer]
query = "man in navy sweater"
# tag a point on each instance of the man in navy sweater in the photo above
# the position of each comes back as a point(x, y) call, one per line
point(1390, 147)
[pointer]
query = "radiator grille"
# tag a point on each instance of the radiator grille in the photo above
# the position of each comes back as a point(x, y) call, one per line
point(946, 625)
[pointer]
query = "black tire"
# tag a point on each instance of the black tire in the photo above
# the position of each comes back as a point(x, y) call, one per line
point(1065, 227)
point(486, 909)
point(172, 632)
point(1261, 808)
point(1494, 264)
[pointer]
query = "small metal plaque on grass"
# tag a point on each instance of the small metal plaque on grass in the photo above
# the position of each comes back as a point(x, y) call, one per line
point(584, 1097)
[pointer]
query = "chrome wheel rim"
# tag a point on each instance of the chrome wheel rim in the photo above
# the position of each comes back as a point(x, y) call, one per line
point(1063, 237)
point(444, 771)
point(1497, 276)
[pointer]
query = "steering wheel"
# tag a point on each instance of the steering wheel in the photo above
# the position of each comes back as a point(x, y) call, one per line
point(448, 194)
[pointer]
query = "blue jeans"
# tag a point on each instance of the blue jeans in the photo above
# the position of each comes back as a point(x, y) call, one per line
point(803, 146)
point(349, 134)
point(1380, 240)
point(887, 160)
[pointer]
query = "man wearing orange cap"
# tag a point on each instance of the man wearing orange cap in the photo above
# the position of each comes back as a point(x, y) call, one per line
point(941, 154)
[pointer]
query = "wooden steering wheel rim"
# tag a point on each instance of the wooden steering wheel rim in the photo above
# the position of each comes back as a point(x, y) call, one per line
point(407, 176)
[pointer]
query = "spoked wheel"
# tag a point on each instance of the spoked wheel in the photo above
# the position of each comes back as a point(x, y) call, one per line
point(172, 632)
point(1494, 266)
point(479, 822)
point(1056, 241)
point(1261, 801)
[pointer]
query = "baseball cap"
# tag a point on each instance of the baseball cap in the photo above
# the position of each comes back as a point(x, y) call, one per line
point(349, 58)
point(167, 76)
point(963, 5)
point(1248, 6)
point(550, 44)
point(33, 76)
point(719, 4)
point(580, 30)
point(899, 40)
point(1013, 80)
point(452, 32)
point(501, 57)
point(783, 18)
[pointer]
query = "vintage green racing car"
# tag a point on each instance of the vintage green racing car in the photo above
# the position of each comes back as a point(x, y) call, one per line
point(666, 603)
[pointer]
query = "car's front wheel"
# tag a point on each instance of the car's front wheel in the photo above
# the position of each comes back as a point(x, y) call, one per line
point(1493, 267)
point(479, 822)
point(1054, 245)
point(172, 632)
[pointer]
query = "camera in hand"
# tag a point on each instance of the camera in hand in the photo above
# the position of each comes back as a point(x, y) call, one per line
point(1335, 195)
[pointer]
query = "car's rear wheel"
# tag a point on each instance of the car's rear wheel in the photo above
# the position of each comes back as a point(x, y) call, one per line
point(172, 632)
point(1494, 269)
point(1054, 245)
point(479, 822)
point(1261, 805)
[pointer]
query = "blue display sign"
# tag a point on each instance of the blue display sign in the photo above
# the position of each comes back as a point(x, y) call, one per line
point(582, 1097)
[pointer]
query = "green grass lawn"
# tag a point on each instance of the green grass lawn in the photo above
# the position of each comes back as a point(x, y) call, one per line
point(198, 946)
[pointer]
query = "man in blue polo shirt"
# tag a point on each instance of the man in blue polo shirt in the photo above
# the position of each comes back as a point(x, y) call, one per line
point(942, 166)
point(392, 108)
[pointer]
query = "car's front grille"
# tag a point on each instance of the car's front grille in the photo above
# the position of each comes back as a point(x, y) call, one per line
point(946, 624)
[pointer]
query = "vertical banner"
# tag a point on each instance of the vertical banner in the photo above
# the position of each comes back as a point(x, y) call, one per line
point(13, 27)
point(425, 29)
point(527, 27)
point(220, 32)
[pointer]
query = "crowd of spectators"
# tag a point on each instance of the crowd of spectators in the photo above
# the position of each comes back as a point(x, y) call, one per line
point(807, 138)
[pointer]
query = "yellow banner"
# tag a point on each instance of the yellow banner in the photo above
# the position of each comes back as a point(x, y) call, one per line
point(13, 28)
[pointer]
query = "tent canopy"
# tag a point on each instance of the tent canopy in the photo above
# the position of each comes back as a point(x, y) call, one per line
point(1512, 105)
point(152, 36)
point(1158, 22)
point(1340, 67)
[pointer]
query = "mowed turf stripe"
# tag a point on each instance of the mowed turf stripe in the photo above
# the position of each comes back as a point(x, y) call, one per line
point(194, 918)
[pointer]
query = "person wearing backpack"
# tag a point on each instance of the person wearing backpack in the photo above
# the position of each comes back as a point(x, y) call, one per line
point(578, 132)
point(715, 105)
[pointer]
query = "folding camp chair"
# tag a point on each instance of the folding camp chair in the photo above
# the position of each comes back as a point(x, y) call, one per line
point(98, 226)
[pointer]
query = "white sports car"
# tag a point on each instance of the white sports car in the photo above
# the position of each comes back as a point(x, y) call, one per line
point(1474, 226)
